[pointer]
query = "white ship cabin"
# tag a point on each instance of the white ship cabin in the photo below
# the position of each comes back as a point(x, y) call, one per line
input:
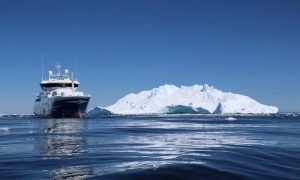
point(59, 84)
point(58, 80)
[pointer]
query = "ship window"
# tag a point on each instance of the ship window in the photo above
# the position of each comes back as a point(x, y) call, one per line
point(38, 100)
point(50, 85)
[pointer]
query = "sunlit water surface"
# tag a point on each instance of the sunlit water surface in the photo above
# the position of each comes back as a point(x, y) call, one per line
point(148, 147)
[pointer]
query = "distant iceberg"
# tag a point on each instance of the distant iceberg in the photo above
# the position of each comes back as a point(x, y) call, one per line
point(16, 115)
point(99, 111)
point(197, 99)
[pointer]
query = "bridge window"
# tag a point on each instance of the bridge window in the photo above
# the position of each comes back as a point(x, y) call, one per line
point(51, 85)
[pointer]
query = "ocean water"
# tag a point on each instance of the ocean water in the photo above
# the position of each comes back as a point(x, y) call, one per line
point(151, 147)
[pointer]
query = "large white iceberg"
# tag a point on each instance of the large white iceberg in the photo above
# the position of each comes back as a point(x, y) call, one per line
point(201, 99)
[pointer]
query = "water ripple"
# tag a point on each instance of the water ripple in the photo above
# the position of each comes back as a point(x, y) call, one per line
point(169, 146)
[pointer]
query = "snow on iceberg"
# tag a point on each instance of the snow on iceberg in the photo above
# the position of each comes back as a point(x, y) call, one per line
point(197, 99)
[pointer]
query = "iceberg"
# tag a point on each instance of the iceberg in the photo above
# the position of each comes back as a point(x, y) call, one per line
point(99, 111)
point(196, 99)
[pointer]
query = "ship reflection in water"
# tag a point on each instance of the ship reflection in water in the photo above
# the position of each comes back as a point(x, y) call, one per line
point(62, 142)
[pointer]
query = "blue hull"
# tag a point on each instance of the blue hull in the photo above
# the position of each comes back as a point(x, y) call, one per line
point(69, 107)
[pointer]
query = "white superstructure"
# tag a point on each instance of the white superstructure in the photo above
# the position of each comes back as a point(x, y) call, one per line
point(59, 96)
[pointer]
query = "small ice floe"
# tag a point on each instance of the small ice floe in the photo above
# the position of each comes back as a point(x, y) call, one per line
point(6, 129)
point(48, 130)
point(230, 119)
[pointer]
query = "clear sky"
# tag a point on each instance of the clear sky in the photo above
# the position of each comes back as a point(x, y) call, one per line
point(246, 47)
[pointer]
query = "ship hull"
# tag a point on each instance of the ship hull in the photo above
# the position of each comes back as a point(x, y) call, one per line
point(63, 107)
point(69, 107)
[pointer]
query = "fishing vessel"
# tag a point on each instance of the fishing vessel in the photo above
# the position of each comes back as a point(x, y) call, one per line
point(59, 97)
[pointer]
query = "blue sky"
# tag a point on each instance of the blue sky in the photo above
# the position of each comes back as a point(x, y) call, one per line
point(246, 47)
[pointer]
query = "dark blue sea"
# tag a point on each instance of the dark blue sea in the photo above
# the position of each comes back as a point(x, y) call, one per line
point(151, 147)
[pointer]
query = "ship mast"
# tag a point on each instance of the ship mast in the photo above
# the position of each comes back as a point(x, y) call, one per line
point(42, 67)
point(58, 67)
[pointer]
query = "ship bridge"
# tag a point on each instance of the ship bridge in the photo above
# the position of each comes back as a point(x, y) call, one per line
point(59, 80)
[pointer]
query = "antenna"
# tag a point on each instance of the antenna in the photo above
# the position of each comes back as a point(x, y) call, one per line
point(76, 67)
point(42, 67)
point(58, 67)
